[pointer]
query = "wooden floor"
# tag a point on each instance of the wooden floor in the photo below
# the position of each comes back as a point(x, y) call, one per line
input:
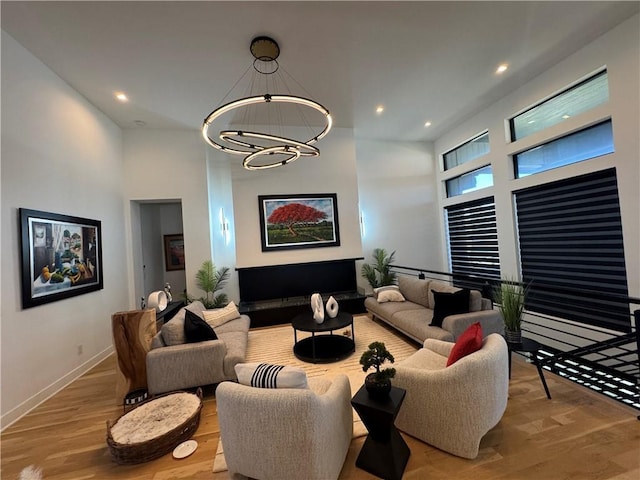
point(577, 435)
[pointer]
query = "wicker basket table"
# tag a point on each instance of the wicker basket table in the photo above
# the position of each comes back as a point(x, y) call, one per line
point(131, 449)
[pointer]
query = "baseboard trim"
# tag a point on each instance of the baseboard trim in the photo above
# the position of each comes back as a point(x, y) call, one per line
point(43, 395)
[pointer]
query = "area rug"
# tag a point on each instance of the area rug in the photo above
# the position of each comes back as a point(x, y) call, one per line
point(275, 345)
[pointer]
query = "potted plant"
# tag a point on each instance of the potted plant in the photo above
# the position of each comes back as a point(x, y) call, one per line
point(378, 383)
point(379, 274)
point(210, 280)
point(510, 297)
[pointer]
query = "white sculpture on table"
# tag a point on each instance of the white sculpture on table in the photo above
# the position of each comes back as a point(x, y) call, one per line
point(332, 307)
point(317, 307)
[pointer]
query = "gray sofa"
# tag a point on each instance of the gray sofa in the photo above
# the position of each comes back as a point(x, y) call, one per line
point(173, 364)
point(413, 316)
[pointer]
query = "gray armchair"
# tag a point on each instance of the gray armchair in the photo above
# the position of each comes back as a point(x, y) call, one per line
point(453, 407)
point(297, 434)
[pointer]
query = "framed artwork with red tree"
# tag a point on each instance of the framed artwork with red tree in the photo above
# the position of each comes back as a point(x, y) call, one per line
point(299, 221)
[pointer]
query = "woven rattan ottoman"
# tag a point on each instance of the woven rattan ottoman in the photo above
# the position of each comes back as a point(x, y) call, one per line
point(155, 427)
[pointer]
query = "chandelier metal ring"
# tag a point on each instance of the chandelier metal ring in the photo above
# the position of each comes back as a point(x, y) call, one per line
point(243, 102)
point(280, 149)
point(306, 150)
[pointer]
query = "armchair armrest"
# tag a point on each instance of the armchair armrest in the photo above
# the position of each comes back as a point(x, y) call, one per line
point(439, 346)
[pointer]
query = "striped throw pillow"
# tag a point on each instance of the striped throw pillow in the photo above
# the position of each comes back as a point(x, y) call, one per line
point(265, 375)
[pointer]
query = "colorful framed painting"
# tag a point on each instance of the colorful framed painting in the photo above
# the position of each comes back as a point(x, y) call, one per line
point(174, 252)
point(61, 256)
point(299, 221)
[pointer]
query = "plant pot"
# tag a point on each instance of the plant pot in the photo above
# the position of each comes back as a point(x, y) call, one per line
point(513, 336)
point(377, 388)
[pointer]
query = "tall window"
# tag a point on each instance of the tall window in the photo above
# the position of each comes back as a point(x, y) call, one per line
point(473, 242)
point(570, 234)
point(474, 148)
point(569, 103)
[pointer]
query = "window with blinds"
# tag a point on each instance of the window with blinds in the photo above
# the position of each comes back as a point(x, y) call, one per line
point(473, 243)
point(570, 234)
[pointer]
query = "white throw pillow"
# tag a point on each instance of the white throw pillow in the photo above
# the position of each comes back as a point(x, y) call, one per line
point(219, 316)
point(379, 290)
point(390, 296)
point(264, 375)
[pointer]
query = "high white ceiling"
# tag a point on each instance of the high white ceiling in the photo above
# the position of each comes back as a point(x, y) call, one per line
point(424, 61)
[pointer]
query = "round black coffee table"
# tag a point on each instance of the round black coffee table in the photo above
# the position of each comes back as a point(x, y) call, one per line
point(323, 348)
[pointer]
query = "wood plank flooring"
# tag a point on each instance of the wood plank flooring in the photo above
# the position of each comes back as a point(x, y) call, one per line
point(577, 435)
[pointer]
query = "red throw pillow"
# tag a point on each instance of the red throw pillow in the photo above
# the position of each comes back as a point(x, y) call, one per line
point(470, 341)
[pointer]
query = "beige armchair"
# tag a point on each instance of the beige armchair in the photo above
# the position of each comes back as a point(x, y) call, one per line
point(453, 407)
point(273, 434)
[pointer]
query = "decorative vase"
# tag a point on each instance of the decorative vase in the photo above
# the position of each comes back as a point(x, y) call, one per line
point(377, 388)
point(332, 307)
point(513, 336)
point(317, 307)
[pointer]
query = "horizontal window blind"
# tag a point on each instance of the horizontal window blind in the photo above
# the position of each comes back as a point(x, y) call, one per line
point(473, 242)
point(570, 234)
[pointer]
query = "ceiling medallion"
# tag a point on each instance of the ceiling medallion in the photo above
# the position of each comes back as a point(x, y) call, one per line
point(273, 147)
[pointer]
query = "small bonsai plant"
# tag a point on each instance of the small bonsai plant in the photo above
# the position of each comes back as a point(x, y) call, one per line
point(377, 383)
point(379, 274)
point(211, 280)
point(510, 297)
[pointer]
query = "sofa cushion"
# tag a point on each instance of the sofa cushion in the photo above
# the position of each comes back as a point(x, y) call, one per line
point(196, 329)
point(390, 296)
point(265, 375)
point(470, 341)
point(414, 289)
point(475, 301)
point(173, 330)
point(425, 359)
point(446, 304)
point(388, 309)
point(220, 316)
point(415, 323)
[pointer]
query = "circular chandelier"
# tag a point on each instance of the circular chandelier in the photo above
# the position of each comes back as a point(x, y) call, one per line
point(274, 147)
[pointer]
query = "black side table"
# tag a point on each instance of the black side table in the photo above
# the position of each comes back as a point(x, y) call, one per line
point(527, 345)
point(384, 453)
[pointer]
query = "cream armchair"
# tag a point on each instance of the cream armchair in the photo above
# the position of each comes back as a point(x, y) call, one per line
point(453, 407)
point(273, 434)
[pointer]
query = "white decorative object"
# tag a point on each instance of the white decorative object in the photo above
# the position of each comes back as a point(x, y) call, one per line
point(332, 307)
point(157, 300)
point(185, 449)
point(318, 308)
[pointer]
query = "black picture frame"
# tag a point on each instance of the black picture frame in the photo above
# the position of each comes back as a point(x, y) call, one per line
point(61, 256)
point(314, 214)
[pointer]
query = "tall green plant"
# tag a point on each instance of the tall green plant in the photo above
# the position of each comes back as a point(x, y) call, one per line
point(211, 280)
point(379, 274)
point(510, 297)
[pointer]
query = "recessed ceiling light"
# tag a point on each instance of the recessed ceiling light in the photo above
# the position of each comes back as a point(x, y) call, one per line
point(139, 123)
point(502, 68)
point(565, 116)
point(531, 121)
point(121, 96)
point(379, 109)
point(427, 124)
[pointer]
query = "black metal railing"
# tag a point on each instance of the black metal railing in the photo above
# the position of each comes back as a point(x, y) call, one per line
point(603, 359)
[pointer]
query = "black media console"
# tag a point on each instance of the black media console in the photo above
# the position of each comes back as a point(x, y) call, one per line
point(274, 294)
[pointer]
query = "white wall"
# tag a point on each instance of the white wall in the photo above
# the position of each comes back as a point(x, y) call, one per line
point(334, 171)
point(59, 154)
point(618, 50)
point(399, 203)
point(167, 165)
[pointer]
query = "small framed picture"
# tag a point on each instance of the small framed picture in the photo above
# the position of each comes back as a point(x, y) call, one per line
point(174, 252)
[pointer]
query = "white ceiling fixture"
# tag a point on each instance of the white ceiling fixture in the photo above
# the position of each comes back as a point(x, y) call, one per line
point(257, 122)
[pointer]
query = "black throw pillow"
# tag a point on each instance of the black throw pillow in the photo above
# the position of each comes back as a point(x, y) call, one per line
point(196, 329)
point(449, 304)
